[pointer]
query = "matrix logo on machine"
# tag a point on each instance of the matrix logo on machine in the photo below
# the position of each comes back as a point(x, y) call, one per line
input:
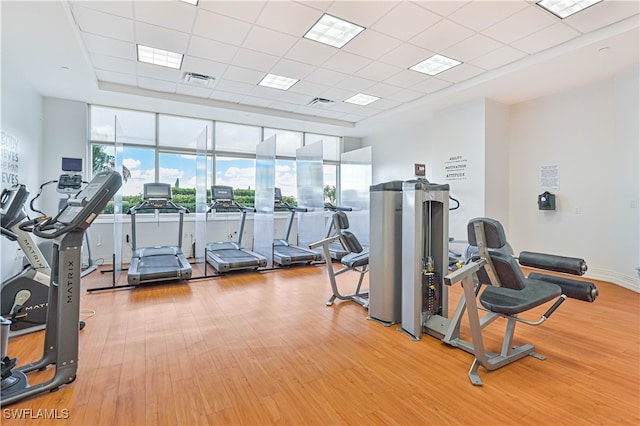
point(70, 277)
point(36, 306)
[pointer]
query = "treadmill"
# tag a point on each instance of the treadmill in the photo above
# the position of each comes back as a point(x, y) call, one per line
point(285, 254)
point(230, 256)
point(158, 263)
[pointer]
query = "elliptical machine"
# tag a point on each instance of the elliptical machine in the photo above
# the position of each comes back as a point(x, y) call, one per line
point(62, 336)
point(23, 296)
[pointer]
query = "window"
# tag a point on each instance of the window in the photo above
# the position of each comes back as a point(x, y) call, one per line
point(237, 138)
point(182, 132)
point(133, 127)
point(170, 154)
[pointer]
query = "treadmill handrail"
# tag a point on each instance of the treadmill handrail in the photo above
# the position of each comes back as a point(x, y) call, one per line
point(150, 205)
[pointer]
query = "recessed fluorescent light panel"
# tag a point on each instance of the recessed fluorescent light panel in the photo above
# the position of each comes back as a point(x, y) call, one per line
point(333, 31)
point(362, 99)
point(160, 57)
point(435, 65)
point(193, 2)
point(564, 8)
point(277, 82)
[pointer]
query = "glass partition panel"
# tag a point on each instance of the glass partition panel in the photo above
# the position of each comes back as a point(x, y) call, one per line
point(201, 200)
point(355, 180)
point(288, 141)
point(310, 194)
point(265, 186)
point(117, 203)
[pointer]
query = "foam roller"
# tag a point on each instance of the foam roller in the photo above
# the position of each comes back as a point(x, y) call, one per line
point(550, 262)
point(581, 290)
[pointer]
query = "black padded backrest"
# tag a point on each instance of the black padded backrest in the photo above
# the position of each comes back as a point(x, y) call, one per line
point(340, 220)
point(351, 242)
point(508, 270)
point(493, 230)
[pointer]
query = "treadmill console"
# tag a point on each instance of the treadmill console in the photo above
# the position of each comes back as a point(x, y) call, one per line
point(157, 194)
point(222, 196)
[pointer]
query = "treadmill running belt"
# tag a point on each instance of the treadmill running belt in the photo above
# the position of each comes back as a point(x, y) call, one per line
point(229, 259)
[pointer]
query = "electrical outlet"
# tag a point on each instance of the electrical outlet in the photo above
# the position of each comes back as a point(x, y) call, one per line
point(638, 271)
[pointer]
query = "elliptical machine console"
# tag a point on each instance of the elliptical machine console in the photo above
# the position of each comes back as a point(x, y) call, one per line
point(62, 335)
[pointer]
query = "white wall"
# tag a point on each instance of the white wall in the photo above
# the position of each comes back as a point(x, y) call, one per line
point(65, 127)
point(591, 133)
point(22, 122)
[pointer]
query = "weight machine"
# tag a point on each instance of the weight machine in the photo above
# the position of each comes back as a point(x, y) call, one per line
point(492, 282)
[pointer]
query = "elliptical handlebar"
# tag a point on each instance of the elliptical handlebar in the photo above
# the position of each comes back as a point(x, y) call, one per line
point(10, 235)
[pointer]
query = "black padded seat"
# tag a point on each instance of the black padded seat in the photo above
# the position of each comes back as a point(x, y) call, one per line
point(354, 260)
point(508, 301)
point(517, 293)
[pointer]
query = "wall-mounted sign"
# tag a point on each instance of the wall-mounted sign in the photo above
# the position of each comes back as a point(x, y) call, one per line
point(455, 168)
point(550, 177)
point(420, 169)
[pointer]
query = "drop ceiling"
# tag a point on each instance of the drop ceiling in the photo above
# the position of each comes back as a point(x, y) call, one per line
point(239, 42)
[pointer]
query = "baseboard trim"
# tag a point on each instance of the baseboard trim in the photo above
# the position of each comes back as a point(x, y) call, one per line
point(627, 281)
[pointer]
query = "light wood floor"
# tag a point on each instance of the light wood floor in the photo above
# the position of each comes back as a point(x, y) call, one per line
point(264, 349)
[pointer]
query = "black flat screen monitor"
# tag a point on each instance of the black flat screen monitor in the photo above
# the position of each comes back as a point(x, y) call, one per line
point(157, 191)
point(71, 164)
point(221, 193)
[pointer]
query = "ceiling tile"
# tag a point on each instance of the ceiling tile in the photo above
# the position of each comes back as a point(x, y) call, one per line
point(110, 46)
point(355, 84)
point(269, 41)
point(292, 69)
point(338, 95)
point(244, 10)
point(310, 52)
point(157, 72)
point(157, 85)
point(431, 85)
point(406, 55)
point(161, 38)
point(546, 38)
point(405, 21)
point(523, 23)
point(221, 28)
point(382, 90)
point(112, 63)
point(359, 14)
point(478, 15)
point(497, 58)
point(243, 75)
point(117, 77)
point(460, 73)
point(307, 88)
point(288, 17)
point(472, 47)
point(385, 104)
point(442, 35)
point(202, 66)
point(378, 71)
point(254, 60)
point(405, 95)
point(406, 78)
point(185, 89)
point(602, 14)
point(176, 15)
point(234, 87)
point(345, 62)
point(104, 24)
point(211, 49)
point(122, 8)
point(440, 7)
point(371, 44)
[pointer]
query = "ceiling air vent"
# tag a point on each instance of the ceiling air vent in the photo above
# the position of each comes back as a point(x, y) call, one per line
point(320, 102)
point(199, 80)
